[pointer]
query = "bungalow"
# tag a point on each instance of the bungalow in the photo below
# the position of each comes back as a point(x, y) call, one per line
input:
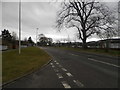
point(112, 43)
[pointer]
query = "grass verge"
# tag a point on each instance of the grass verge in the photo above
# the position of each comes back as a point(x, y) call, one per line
point(96, 51)
point(15, 65)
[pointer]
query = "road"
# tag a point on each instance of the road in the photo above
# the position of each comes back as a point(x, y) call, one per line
point(72, 69)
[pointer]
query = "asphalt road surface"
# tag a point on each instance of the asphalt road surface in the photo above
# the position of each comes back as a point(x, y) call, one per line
point(72, 69)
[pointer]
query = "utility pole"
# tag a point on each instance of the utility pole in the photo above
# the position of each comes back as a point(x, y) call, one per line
point(36, 35)
point(19, 26)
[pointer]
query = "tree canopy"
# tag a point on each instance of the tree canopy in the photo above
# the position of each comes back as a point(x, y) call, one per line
point(88, 17)
point(30, 41)
point(43, 40)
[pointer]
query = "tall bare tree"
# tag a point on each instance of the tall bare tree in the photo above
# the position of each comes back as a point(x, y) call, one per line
point(14, 36)
point(14, 40)
point(87, 16)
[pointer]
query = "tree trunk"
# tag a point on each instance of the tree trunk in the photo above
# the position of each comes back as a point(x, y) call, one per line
point(84, 44)
point(107, 45)
point(84, 39)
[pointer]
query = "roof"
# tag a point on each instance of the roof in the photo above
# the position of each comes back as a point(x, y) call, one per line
point(115, 40)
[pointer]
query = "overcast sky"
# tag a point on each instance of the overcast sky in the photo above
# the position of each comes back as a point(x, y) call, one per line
point(40, 15)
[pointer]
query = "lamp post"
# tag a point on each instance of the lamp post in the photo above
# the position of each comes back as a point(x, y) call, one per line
point(119, 18)
point(36, 35)
point(19, 26)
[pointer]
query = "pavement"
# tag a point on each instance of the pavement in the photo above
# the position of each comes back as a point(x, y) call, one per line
point(72, 69)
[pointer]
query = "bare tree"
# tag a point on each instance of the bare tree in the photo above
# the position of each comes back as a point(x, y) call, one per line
point(44, 41)
point(25, 39)
point(87, 16)
point(14, 36)
point(14, 40)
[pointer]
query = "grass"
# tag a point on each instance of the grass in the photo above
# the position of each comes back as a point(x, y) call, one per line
point(15, 65)
point(99, 51)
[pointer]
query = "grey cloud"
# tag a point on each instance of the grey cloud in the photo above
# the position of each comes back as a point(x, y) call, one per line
point(9, 15)
point(40, 15)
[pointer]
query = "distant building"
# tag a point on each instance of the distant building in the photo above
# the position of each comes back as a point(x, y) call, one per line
point(2, 47)
point(112, 43)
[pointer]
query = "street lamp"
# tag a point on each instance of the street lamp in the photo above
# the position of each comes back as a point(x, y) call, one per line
point(19, 26)
point(36, 35)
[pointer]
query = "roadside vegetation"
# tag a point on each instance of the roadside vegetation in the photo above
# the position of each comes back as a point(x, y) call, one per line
point(97, 51)
point(15, 65)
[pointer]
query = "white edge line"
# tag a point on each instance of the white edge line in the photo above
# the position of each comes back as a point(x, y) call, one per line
point(74, 54)
point(103, 62)
point(53, 66)
point(59, 75)
point(64, 69)
point(65, 84)
point(78, 83)
point(69, 74)
point(51, 63)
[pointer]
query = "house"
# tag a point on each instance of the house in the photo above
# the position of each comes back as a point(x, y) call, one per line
point(112, 43)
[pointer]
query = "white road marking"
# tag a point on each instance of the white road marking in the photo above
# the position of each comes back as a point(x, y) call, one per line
point(69, 74)
point(65, 84)
point(51, 63)
point(56, 70)
point(59, 75)
point(53, 66)
point(57, 63)
point(74, 55)
point(64, 69)
point(103, 62)
point(78, 83)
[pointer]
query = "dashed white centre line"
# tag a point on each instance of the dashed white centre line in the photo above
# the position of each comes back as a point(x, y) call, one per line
point(65, 84)
point(59, 75)
point(64, 69)
point(103, 62)
point(69, 74)
point(57, 63)
point(78, 83)
point(51, 63)
point(53, 66)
